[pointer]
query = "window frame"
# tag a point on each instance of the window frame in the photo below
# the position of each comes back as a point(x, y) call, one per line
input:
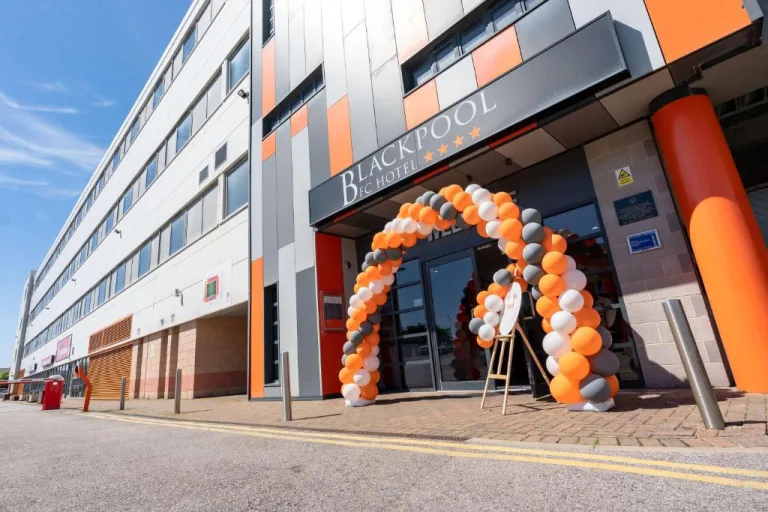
point(186, 52)
point(238, 166)
point(246, 43)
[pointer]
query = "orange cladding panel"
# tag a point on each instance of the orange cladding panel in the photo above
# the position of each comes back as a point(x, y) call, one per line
point(684, 26)
point(268, 146)
point(421, 104)
point(257, 329)
point(330, 279)
point(726, 241)
point(299, 120)
point(497, 56)
point(339, 136)
point(268, 94)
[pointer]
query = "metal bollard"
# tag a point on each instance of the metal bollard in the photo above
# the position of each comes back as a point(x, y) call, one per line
point(122, 394)
point(694, 367)
point(177, 393)
point(285, 385)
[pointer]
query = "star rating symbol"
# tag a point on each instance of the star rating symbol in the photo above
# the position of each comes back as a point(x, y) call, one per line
point(443, 149)
point(475, 133)
point(428, 156)
point(458, 141)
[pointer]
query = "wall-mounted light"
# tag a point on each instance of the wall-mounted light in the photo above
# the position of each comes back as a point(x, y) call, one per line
point(74, 280)
point(119, 233)
point(243, 94)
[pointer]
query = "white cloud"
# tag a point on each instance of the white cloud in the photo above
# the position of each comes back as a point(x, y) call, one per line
point(56, 86)
point(9, 102)
point(40, 187)
point(14, 156)
point(104, 102)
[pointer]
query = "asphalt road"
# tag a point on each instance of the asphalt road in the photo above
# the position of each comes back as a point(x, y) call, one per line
point(61, 460)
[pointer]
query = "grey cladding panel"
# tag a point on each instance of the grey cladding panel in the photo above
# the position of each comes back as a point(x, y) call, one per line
point(543, 27)
point(298, 59)
point(313, 33)
point(360, 93)
point(388, 101)
point(381, 32)
point(255, 77)
point(269, 220)
point(282, 50)
point(333, 51)
point(441, 14)
point(308, 337)
point(351, 14)
point(319, 156)
point(285, 232)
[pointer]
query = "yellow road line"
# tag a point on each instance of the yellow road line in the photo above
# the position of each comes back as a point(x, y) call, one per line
point(692, 477)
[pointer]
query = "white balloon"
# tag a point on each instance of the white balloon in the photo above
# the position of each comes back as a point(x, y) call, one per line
point(375, 350)
point(362, 377)
point(365, 294)
point(409, 225)
point(571, 301)
point(552, 366)
point(350, 391)
point(397, 225)
point(556, 344)
point(481, 196)
point(502, 244)
point(488, 211)
point(494, 303)
point(387, 227)
point(486, 332)
point(376, 286)
point(471, 188)
point(571, 262)
point(492, 228)
point(491, 318)
point(424, 229)
point(563, 322)
point(388, 280)
point(356, 302)
point(574, 280)
point(371, 363)
point(350, 309)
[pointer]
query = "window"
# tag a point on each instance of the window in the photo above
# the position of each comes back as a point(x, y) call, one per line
point(474, 36)
point(165, 243)
point(151, 172)
point(177, 234)
point(127, 200)
point(294, 101)
point(183, 131)
point(189, 45)
point(505, 13)
point(115, 160)
point(271, 335)
point(94, 242)
point(144, 254)
point(268, 17)
point(238, 64)
point(134, 130)
point(158, 94)
point(236, 192)
point(445, 56)
point(120, 278)
point(102, 293)
point(99, 187)
point(110, 222)
point(210, 209)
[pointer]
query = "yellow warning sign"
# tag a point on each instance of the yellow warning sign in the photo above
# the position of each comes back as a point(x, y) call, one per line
point(624, 176)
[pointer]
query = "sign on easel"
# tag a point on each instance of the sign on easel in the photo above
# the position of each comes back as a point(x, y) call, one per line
point(511, 310)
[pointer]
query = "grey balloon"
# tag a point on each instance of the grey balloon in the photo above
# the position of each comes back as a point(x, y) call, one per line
point(394, 254)
point(533, 233)
point(533, 253)
point(366, 328)
point(605, 335)
point(502, 277)
point(475, 324)
point(349, 348)
point(533, 274)
point(437, 201)
point(369, 259)
point(375, 318)
point(461, 223)
point(604, 363)
point(425, 197)
point(530, 215)
point(356, 338)
point(380, 255)
point(364, 266)
point(448, 211)
point(595, 388)
point(536, 293)
point(344, 360)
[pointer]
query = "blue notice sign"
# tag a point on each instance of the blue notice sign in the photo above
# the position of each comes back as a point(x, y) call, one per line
point(645, 241)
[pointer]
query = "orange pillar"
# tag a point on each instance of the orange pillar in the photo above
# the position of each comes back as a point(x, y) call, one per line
point(724, 234)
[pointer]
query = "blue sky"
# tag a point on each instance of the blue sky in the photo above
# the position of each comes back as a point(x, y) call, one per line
point(70, 70)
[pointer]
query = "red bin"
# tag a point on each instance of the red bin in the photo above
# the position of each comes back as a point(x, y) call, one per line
point(52, 394)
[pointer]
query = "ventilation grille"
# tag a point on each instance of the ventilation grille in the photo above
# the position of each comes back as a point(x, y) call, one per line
point(203, 175)
point(116, 332)
point(221, 156)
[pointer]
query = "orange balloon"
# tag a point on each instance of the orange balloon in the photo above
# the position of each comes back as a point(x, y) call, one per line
point(386, 290)
point(471, 215)
point(484, 344)
point(573, 365)
point(500, 198)
point(451, 192)
point(370, 307)
point(481, 229)
point(564, 391)
point(356, 288)
point(372, 339)
point(442, 191)
point(497, 289)
point(520, 264)
point(385, 268)
point(509, 211)
point(369, 391)
point(403, 212)
point(546, 325)
point(586, 341)
point(552, 285)
point(559, 243)
point(547, 231)
point(511, 267)
point(409, 239)
point(588, 317)
point(352, 324)
point(589, 301)
point(376, 328)
point(414, 210)
point(555, 263)
point(514, 249)
point(479, 311)
point(373, 272)
point(522, 283)
point(511, 230)
point(613, 383)
point(546, 307)
point(427, 215)
point(380, 299)
point(359, 315)
point(375, 377)
point(462, 200)
point(354, 362)
point(443, 224)
point(379, 241)
point(361, 279)
point(363, 350)
point(346, 376)
point(482, 296)
point(393, 240)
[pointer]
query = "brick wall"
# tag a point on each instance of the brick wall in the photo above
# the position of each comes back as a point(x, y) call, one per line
point(221, 366)
point(648, 278)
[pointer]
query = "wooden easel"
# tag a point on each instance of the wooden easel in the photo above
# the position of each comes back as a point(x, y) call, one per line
point(507, 343)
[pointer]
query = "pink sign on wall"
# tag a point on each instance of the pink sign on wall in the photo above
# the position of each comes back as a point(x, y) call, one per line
point(62, 348)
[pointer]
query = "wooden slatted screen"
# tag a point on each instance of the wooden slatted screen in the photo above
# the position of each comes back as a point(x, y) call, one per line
point(119, 331)
point(106, 370)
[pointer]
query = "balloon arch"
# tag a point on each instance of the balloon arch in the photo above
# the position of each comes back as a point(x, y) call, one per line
point(579, 359)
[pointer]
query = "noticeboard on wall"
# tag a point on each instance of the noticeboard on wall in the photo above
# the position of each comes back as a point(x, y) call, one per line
point(332, 310)
point(635, 208)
